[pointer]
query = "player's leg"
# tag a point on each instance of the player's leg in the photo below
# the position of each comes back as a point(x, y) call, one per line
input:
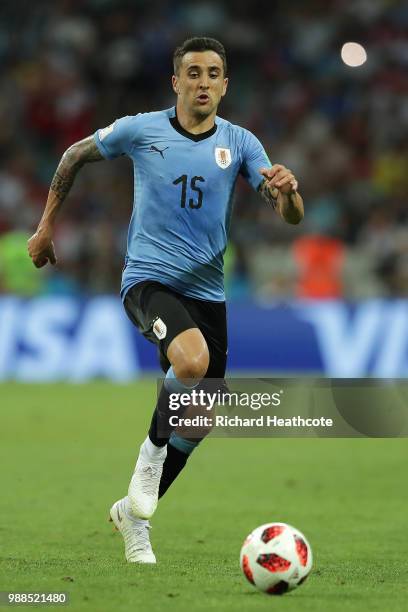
point(148, 306)
point(211, 317)
point(162, 317)
point(186, 363)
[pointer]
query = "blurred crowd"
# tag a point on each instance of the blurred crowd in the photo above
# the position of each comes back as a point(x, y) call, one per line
point(68, 67)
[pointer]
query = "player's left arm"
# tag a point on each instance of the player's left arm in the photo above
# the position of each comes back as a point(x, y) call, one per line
point(279, 188)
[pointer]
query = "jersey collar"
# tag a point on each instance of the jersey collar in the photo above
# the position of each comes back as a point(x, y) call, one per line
point(196, 137)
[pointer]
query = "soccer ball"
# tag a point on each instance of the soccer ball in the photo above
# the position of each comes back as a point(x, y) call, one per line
point(276, 558)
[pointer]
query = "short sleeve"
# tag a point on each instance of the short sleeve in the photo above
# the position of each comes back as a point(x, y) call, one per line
point(119, 137)
point(254, 158)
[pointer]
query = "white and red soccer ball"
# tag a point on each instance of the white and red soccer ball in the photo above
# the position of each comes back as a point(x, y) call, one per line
point(276, 558)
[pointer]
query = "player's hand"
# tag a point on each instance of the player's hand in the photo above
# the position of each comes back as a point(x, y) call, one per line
point(280, 178)
point(41, 249)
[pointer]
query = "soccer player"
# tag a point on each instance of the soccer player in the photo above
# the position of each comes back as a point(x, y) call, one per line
point(186, 161)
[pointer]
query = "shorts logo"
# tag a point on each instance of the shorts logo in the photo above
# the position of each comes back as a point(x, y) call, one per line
point(106, 131)
point(223, 157)
point(159, 328)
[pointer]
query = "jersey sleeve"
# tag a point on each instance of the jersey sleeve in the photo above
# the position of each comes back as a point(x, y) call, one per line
point(254, 158)
point(118, 138)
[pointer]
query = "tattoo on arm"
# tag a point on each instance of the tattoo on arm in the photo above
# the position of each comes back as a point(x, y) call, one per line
point(73, 159)
point(88, 150)
point(267, 195)
point(61, 184)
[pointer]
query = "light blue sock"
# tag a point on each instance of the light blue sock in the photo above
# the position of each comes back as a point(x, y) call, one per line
point(183, 445)
point(173, 385)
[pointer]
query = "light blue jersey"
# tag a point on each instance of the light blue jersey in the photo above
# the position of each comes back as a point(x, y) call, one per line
point(183, 185)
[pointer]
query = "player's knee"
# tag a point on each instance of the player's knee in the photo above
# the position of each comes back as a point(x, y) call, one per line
point(189, 356)
point(193, 366)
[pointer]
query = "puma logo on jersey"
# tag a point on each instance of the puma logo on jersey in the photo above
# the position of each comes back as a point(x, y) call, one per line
point(154, 149)
point(223, 157)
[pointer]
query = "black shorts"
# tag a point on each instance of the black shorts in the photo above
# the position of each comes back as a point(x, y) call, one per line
point(161, 314)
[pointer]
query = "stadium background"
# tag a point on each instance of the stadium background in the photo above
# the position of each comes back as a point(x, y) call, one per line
point(70, 67)
point(326, 297)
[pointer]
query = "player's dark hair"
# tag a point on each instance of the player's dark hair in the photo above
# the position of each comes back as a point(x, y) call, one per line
point(199, 43)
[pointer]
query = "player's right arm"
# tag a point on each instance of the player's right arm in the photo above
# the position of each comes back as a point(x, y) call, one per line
point(40, 245)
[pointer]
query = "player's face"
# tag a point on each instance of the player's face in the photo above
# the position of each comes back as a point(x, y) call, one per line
point(200, 84)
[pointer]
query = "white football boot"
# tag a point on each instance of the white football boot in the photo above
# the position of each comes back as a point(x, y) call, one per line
point(135, 533)
point(144, 486)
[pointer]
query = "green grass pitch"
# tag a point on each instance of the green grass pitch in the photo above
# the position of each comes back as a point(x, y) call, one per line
point(67, 453)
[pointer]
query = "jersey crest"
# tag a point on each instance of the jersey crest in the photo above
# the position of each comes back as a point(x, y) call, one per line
point(223, 157)
point(159, 328)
